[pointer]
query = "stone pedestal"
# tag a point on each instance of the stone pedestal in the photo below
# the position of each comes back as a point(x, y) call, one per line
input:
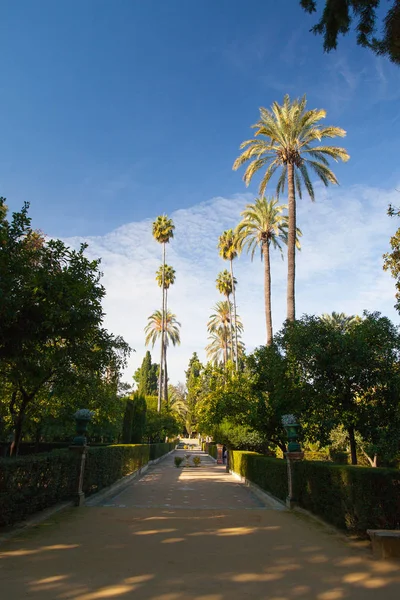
point(220, 456)
point(81, 453)
point(291, 458)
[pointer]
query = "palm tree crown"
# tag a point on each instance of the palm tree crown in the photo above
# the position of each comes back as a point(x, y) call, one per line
point(287, 134)
point(163, 229)
point(288, 138)
point(224, 283)
point(169, 276)
point(153, 329)
point(262, 224)
point(340, 321)
point(227, 245)
point(219, 328)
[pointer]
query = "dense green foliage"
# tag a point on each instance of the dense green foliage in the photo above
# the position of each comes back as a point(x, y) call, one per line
point(32, 483)
point(339, 377)
point(338, 16)
point(351, 498)
point(146, 376)
point(52, 342)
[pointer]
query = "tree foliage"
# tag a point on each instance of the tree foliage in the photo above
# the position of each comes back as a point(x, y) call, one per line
point(338, 16)
point(51, 333)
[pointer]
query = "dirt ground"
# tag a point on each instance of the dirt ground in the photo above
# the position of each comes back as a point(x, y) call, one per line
point(188, 534)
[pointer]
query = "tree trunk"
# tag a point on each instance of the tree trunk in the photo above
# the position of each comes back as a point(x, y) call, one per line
point(267, 293)
point(165, 350)
point(165, 376)
point(230, 327)
point(291, 245)
point(160, 381)
point(353, 450)
point(18, 420)
point(234, 318)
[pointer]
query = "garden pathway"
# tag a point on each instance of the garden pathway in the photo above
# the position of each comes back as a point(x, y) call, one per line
point(188, 534)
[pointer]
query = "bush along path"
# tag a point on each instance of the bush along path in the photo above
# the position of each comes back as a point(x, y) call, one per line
point(188, 533)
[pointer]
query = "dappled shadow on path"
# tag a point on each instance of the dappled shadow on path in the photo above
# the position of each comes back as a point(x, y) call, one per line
point(108, 553)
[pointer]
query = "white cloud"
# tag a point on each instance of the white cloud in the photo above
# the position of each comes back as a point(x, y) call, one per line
point(339, 268)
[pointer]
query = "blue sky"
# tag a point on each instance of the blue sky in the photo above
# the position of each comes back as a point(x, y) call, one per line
point(115, 111)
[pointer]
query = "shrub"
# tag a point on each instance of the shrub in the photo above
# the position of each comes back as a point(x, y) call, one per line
point(196, 461)
point(178, 460)
point(351, 498)
point(268, 473)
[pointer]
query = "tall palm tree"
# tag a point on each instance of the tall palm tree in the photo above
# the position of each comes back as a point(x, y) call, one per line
point(227, 245)
point(154, 329)
point(219, 328)
point(284, 139)
point(263, 225)
point(225, 286)
point(166, 275)
point(163, 231)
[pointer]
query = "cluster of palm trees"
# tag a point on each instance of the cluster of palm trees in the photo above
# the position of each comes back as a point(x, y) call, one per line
point(162, 324)
point(287, 140)
point(225, 326)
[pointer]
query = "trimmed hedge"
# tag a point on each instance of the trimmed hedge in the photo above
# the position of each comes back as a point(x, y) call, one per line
point(212, 450)
point(268, 473)
point(351, 498)
point(104, 465)
point(31, 483)
point(158, 450)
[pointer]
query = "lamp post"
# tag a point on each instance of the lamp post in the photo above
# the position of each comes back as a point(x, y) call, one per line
point(293, 454)
point(79, 446)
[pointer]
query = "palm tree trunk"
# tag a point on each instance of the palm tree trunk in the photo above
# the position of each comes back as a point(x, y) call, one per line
point(234, 316)
point(165, 377)
point(165, 350)
point(291, 245)
point(267, 292)
point(230, 326)
point(160, 381)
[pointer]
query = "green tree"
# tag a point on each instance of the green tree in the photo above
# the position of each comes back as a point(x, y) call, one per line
point(352, 374)
point(146, 377)
point(226, 285)
point(138, 419)
point(51, 317)
point(338, 15)
point(193, 385)
point(167, 275)
point(228, 250)
point(163, 232)
point(264, 224)
point(284, 140)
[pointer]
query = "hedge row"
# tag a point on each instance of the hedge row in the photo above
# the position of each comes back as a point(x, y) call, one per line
point(351, 498)
point(31, 483)
point(268, 473)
